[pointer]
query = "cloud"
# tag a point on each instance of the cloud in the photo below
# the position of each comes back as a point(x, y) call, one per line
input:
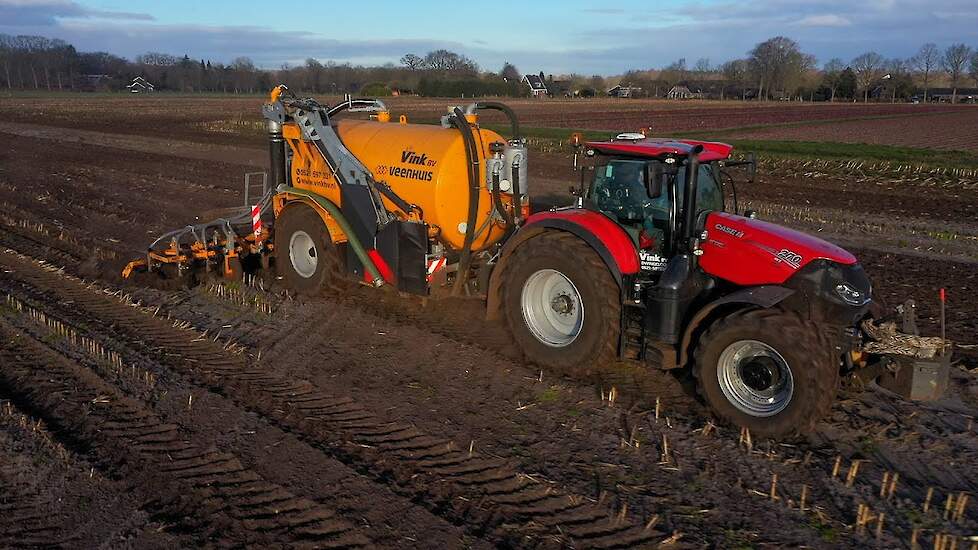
point(827, 20)
point(268, 48)
point(47, 13)
point(635, 39)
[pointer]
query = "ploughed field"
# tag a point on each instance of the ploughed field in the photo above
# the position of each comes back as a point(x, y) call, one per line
point(236, 120)
point(226, 414)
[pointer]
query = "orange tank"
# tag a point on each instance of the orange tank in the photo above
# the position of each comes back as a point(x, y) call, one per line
point(424, 164)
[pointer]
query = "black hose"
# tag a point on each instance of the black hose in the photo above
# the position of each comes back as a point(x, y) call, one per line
point(517, 195)
point(514, 123)
point(277, 156)
point(472, 158)
point(497, 106)
point(689, 193)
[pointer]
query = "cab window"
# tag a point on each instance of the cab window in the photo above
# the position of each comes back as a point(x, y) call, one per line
point(619, 189)
point(709, 193)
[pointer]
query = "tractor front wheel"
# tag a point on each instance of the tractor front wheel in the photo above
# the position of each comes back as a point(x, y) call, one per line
point(562, 305)
point(305, 255)
point(768, 370)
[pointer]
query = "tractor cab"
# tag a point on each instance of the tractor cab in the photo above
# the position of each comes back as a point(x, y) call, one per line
point(640, 182)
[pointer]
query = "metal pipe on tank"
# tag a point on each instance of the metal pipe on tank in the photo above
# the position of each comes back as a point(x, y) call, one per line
point(689, 194)
point(276, 148)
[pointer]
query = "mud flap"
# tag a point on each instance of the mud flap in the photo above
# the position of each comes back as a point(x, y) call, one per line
point(403, 245)
point(916, 379)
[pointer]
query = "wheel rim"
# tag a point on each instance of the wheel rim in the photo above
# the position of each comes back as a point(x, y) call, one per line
point(552, 308)
point(755, 378)
point(302, 253)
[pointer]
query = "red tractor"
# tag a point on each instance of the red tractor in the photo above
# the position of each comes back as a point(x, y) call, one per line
point(652, 263)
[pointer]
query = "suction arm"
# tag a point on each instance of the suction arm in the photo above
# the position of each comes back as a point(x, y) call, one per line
point(458, 120)
point(505, 109)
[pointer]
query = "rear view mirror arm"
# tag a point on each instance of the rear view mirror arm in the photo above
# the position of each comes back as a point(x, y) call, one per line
point(724, 178)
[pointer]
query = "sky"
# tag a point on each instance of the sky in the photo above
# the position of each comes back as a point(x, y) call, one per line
point(552, 36)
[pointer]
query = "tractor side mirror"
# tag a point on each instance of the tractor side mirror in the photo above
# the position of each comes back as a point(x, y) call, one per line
point(751, 166)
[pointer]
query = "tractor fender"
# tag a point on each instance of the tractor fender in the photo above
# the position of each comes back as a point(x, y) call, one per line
point(764, 297)
point(606, 237)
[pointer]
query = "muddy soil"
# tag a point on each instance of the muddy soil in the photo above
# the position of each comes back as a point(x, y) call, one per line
point(397, 423)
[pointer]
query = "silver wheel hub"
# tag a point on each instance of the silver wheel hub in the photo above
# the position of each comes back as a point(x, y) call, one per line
point(303, 254)
point(755, 378)
point(552, 308)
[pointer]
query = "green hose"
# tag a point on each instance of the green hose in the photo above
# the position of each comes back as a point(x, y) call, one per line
point(352, 240)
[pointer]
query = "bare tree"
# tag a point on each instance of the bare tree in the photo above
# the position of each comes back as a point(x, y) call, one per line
point(675, 72)
point(926, 61)
point(449, 62)
point(973, 67)
point(734, 74)
point(6, 56)
point(869, 69)
point(412, 62)
point(778, 64)
point(597, 83)
point(702, 65)
point(955, 58)
point(157, 59)
point(832, 75)
point(314, 75)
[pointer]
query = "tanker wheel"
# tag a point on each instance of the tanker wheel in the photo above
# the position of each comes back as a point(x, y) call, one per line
point(306, 258)
point(768, 370)
point(561, 304)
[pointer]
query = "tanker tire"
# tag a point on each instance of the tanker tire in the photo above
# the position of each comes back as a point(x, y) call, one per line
point(807, 352)
point(302, 218)
point(597, 342)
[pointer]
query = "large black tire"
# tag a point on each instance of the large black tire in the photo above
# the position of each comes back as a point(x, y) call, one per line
point(597, 341)
point(304, 225)
point(808, 355)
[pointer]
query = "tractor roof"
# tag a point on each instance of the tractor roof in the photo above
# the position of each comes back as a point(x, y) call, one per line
point(659, 147)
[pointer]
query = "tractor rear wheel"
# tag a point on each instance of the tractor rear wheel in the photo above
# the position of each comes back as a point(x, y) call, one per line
point(768, 370)
point(305, 256)
point(562, 305)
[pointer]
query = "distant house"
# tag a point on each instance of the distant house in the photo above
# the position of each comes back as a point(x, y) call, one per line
point(537, 86)
point(624, 91)
point(945, 95)
point(681, 91)
point(140, 85)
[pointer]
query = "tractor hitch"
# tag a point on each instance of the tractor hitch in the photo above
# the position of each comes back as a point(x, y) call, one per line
point(915, 367)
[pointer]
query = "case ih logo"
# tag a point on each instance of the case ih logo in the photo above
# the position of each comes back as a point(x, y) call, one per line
point(729, 230)
point(791, 258)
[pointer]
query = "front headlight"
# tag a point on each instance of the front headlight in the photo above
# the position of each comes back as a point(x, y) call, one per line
point(852, 295)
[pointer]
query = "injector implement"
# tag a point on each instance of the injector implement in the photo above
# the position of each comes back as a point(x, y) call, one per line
point(651, 263)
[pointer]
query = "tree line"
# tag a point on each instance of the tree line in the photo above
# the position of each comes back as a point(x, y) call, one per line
point(778, 69)
point(774, 69)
